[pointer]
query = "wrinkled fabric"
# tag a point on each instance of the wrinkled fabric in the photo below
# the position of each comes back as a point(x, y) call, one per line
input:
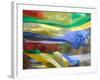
point(75, 38)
